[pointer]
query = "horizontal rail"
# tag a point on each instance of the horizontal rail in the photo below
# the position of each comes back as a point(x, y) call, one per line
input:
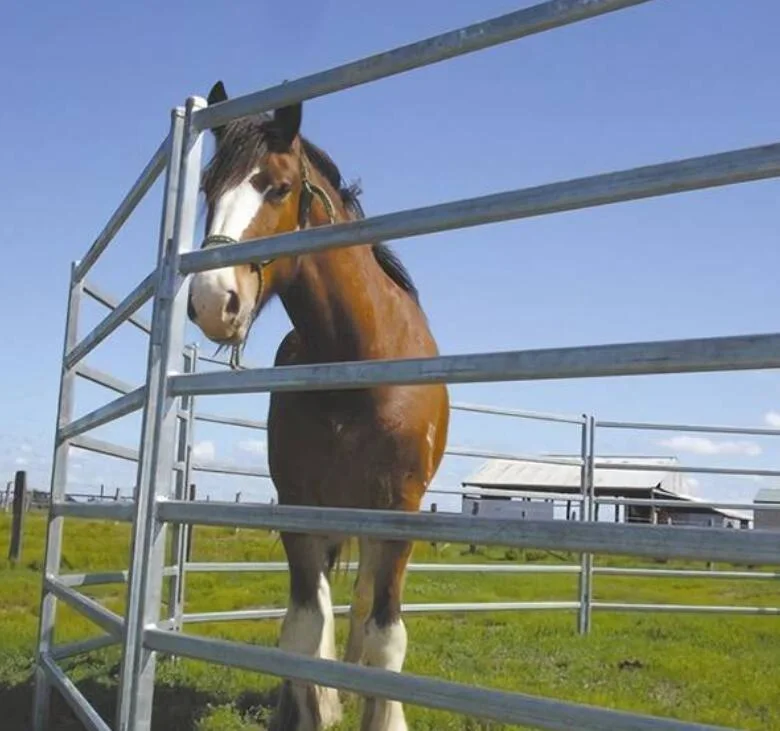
point(241, 615)
point(231, 421)
point(112, 303)
point(102, 379)
point(137, 298)
point(682, 608)
point(145, 180)
point(105, 577)
point(116, 409)
point(677, 503)
point(685, 573)
point(683, 469)
point(534, 415)
point(99, 446)
point(227, 469)
point(727, 168)
point(88, 607)
point(513, 708)
point(482, 568)
point(713, 544)
point(498, 491)
point(742, 352)
point(113, 510)
point(476, 568)
point(502, 29)
point(508, 457)
point(701, 428)
point(71, 649)
point(72, 695)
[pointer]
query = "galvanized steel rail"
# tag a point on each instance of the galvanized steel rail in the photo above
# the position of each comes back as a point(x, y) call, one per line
point(161, 455)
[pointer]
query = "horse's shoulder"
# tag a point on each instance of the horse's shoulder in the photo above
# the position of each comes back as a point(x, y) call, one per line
point(290, 350)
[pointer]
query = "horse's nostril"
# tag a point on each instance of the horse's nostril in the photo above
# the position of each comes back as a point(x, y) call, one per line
point(233, 305)
point(191, 310)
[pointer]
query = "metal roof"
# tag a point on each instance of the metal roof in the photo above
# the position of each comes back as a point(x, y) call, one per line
point(552, 477)
point(536, 476)
point(767, 495)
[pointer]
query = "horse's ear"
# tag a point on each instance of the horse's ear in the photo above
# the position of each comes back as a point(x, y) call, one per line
point(217, 94)
point(287, 121)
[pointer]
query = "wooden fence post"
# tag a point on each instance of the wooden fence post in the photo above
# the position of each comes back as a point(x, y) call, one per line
point(17, 525)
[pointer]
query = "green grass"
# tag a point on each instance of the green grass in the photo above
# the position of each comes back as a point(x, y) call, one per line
point(707, 668)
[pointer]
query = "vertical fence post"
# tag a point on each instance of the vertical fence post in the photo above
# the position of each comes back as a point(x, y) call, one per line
point(54, 527)
point(189, 529)
point(179, 532)
point(583, 614)
point(17, 520)
point(158, 434)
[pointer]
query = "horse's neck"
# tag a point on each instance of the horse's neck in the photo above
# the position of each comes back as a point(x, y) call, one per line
point(341, 306)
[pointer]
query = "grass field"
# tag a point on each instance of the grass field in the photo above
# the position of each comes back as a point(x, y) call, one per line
point(707, 668)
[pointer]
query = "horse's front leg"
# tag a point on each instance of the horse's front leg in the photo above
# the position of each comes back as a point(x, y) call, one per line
point(308, 629)
point(384, 642)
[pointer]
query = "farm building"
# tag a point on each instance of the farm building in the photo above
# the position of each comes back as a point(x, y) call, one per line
point(549, 479)
point(765, 518)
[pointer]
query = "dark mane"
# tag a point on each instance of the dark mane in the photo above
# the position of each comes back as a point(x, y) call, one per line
point(242, 141)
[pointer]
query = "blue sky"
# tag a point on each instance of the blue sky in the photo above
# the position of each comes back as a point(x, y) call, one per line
point(87, 94)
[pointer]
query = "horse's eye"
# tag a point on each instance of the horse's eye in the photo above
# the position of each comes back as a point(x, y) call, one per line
point(278, 192)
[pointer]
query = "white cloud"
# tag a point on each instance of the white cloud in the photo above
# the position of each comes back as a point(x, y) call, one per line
point(203, 451)
point(26, 448)
point(253, 446)
point(703, 445)
point(21, 461)
point(772, 418)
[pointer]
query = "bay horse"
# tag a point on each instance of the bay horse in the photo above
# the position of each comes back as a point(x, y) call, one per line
point(376, 448)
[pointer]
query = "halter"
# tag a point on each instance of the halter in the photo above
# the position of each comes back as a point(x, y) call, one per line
point(308, 191)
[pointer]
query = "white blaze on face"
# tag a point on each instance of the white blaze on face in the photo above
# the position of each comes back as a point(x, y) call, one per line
point(211, 291)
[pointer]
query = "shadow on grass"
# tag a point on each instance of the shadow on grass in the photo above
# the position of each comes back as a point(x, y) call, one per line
point(176, 707)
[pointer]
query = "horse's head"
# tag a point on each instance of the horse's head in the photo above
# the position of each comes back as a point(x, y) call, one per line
point(256, 185)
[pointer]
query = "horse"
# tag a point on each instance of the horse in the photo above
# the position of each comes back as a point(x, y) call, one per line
point(372, 448)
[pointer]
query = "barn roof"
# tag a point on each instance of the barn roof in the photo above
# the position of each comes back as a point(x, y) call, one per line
point(551, 478)
point(767, 495)
point(566, 478)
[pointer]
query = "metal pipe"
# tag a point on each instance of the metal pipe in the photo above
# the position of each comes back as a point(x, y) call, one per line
point(158, 437)
point(86, 606)
point(645, 467)
point(726, 168)
point(55, 524)
point(343, 609)
point(121, 511)
point(648, 426)
point(139, 189)
point(111, 303)
point(107, 448)
point(116, 409)
point(714, 544)
point(745, 352)
point(71, 649)
point(72, 695)
point(503, 707)
point(488, 454)
point(232, 421)
point(136, 299)
point(496, 31)
point(692, 502)
point(533, 415)
point(682, 608)
point(475, 568)
point(102, 379)
point(226, 469)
